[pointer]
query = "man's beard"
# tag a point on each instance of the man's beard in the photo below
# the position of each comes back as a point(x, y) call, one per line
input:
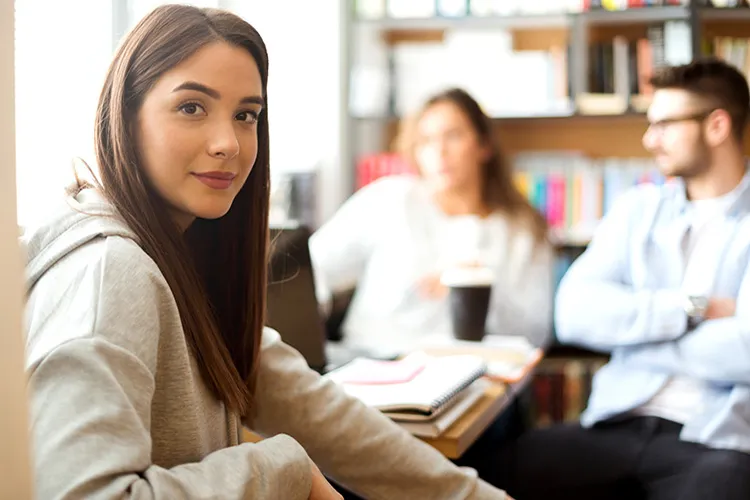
point(696, 165)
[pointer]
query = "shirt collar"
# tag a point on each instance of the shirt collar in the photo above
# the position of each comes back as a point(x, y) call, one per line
point(738, 194)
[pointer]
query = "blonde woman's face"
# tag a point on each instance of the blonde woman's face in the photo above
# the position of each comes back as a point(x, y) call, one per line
point(197, 131)
point(448, 151)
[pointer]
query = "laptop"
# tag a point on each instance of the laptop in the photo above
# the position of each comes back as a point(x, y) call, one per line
point(292, 305)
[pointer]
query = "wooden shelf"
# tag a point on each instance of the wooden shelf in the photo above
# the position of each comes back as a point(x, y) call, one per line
point(731, 15)
point(469, 22)
point(594, 136)
point(597, 136)
point(636, 15)
point(575, 116)
point(598, 16)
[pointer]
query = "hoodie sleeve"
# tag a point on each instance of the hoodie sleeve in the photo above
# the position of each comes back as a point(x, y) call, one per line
point(92, 357)
point(357, 446)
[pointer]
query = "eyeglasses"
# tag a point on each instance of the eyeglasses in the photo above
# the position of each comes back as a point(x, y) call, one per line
point(659, 126)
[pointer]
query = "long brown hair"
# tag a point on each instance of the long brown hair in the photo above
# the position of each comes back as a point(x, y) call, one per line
point(217, 268)
point(499, 191)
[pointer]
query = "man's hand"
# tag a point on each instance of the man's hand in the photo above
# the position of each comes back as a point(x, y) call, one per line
point(321, 488)
point(720, 308)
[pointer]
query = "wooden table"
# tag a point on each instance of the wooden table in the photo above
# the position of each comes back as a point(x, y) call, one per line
point(498, 396)
point(467, 429)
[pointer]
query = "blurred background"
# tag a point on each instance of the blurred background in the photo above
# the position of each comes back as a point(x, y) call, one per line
point(565, 81)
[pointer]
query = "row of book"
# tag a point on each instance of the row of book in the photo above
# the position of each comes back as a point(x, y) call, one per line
point(624, 66)
point(619, 67)
point(618, 5)
point(735, 51)
point(560, 389)
point(574, 192)
point(374, 166)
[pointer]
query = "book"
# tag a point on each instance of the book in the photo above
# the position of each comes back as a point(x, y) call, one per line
point(373, 371)
point(425, 395)
point(435, 427)
point(509, 358)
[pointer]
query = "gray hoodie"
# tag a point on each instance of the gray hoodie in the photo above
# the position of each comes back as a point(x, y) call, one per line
point(119, 408)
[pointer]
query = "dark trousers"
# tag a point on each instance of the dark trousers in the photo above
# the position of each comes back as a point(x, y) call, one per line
point(633, 458)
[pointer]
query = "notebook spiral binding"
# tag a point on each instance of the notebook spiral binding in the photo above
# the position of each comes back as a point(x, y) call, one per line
point(454, 391)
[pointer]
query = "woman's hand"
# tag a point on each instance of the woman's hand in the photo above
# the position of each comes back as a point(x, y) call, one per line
point(430, 287)
point(321, 488)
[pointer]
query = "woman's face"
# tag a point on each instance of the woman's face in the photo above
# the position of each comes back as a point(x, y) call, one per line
point(197, 131)
point(448, 151)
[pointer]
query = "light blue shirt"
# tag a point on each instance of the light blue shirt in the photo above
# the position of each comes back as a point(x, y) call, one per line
point(623, 296)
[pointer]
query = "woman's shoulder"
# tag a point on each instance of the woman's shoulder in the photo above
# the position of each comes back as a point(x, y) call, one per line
point(391, 187)
point(381, 200)
point(106, 289)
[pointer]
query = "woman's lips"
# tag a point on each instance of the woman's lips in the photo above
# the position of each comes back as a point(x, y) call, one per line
point(216, 180)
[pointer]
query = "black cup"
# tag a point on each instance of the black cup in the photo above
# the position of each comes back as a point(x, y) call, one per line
point(468, 309)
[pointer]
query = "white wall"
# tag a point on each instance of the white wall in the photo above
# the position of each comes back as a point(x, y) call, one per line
point(307, 98)
point(63, 49)
point(307, 47)
point(14, 451)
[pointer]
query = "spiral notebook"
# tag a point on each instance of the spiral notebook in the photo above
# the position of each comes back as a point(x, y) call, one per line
point(424, 395)
point(436, 426)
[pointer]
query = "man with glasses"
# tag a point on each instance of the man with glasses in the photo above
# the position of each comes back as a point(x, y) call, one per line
point(664, 288)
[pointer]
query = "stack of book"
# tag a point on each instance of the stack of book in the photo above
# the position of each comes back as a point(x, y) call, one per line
point(424, 394)
point(561, 389)
point(429, 390)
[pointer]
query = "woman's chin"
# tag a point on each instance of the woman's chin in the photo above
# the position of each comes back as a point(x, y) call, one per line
point(212, 210)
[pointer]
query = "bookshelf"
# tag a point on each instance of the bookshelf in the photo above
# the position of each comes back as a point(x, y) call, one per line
point(588, 116)
point(379, 48)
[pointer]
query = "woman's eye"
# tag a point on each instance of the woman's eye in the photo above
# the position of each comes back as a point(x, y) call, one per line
point(191, 108)
point(247, 116)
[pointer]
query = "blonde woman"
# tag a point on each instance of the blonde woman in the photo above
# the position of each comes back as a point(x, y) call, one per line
point(392, 240)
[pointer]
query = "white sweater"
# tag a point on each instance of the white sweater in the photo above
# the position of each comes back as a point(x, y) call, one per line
point(390, 235)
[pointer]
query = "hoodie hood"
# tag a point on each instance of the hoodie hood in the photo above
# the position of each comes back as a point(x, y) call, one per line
point(74, 222)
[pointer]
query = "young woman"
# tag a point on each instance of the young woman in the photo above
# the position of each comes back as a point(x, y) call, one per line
point(146, 348)
point(394, 238)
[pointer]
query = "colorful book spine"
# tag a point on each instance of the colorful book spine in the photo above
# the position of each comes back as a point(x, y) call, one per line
point(573, 200)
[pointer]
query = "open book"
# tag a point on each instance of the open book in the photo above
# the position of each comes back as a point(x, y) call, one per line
point(422, 388)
